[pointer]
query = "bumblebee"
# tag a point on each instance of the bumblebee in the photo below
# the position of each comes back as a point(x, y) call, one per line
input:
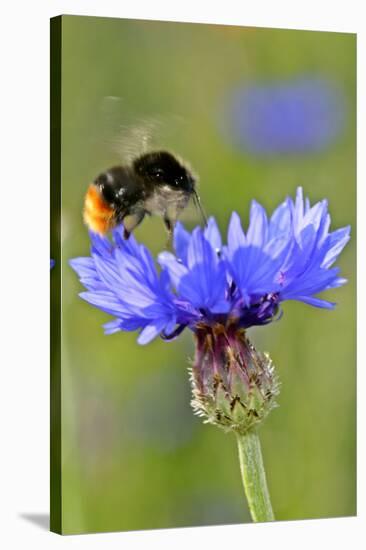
point(154, 183)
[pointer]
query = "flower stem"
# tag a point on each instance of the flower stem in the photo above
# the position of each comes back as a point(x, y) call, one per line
point(254, 477)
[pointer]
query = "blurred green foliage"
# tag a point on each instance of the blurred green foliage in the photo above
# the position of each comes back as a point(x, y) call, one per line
point(133, 454)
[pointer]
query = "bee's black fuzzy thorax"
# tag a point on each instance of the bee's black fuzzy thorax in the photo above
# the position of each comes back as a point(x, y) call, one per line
point(162, 168)
point(119, 188)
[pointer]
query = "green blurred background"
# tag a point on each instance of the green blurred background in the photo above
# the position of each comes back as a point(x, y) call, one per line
point(133, 454)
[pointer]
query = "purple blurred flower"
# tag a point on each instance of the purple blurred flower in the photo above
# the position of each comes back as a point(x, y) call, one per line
point(52, 263)
point(286, 257)
point(298, 117)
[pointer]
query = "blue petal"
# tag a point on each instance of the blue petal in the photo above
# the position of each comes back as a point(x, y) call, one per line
point(316, 302)
point(175, 268)
point(204, 282)
point(280, 222)
point(101, 245)
point(257, 233)
point(151, 331)
point(335, 243)
point(212, 234)
point(112, 327)
point(106, 301)
point(84, 267)
point(196, 248)
point(181, 241)
point(108, 274)
point(235, 238)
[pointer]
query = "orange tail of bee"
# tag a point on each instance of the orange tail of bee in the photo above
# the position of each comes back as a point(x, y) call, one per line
point(98, 216)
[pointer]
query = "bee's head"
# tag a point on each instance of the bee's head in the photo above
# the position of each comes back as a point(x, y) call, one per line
point(162, 168)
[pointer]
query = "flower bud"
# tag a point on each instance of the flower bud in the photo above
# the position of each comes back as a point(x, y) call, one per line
point(234, 386)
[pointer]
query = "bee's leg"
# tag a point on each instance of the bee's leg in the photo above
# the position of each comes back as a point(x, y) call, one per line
point(169, 225)
point(131, 221)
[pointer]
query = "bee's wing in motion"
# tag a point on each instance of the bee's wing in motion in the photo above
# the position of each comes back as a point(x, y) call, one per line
point(130, 136)
point(132, 141)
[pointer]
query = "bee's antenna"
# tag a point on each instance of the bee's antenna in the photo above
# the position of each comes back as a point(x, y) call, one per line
point(198, 204)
